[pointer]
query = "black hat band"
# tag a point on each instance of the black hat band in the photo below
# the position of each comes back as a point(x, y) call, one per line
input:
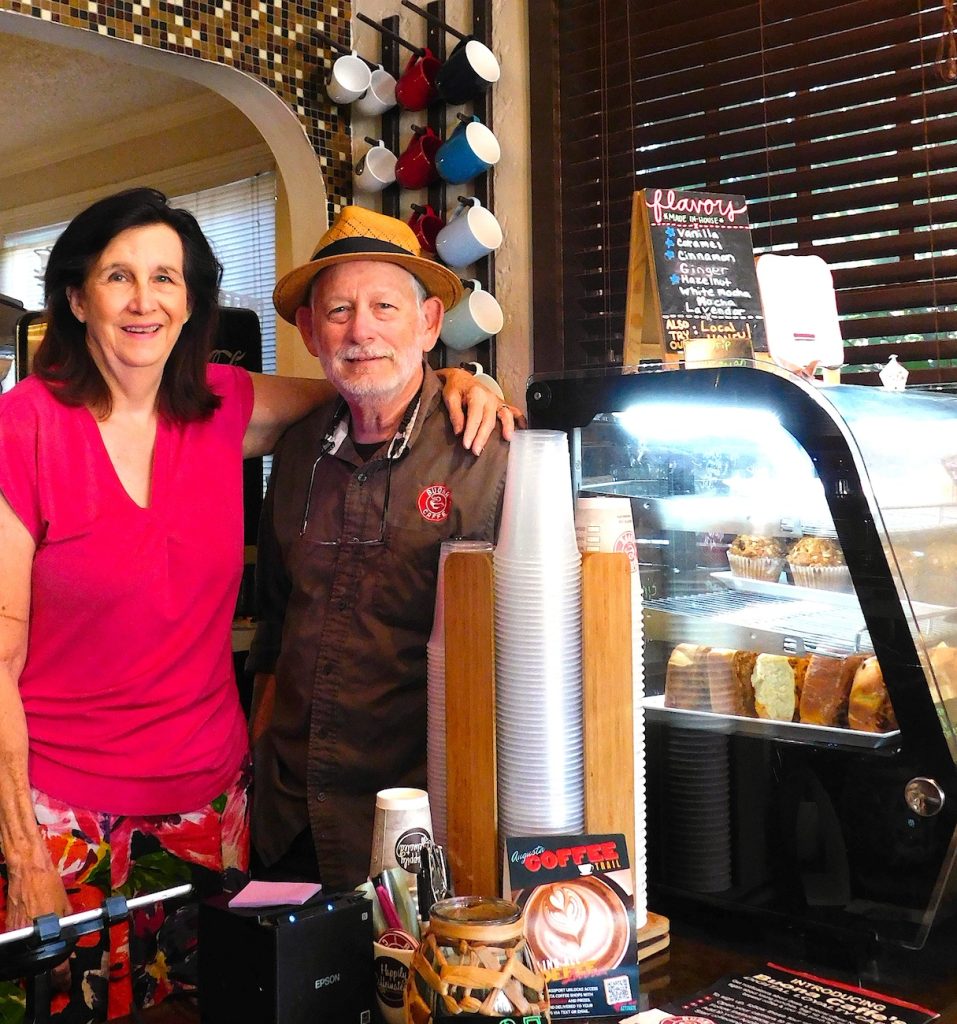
point(359, 244)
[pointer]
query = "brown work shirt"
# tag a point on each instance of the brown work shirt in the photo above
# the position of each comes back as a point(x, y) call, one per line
point(345, 619)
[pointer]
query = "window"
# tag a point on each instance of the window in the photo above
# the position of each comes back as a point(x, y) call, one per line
point(239, 220)
point(837, 120)
point(23, 260)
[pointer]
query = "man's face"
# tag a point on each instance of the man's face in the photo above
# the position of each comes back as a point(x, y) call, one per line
point(368, 331)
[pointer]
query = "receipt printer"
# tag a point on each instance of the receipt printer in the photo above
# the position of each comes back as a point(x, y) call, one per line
point(309, 964)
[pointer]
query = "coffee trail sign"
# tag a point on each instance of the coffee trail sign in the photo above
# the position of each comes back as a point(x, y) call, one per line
point(692, 285)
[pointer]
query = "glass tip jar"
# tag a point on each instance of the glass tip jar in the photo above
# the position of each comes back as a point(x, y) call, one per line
point(474, 963)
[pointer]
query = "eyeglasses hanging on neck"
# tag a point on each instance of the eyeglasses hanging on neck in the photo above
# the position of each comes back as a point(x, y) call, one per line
point(396, 447)
point(342, 540)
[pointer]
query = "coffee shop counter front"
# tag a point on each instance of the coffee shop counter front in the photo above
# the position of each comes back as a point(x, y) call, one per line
point(702, 950)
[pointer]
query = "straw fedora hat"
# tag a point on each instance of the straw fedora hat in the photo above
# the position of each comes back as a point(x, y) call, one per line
point(360, 234)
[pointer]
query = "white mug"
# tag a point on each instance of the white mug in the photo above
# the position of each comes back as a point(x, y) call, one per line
point(376, 169)
point(349, 78)
point(491, 383)
point(475, 317)
point(471, 233)
point(380, 96)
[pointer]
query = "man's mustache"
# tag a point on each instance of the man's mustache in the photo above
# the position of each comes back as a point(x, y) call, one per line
point(358, 353)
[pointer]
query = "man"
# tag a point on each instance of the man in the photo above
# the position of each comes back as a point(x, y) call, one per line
point(362, 494)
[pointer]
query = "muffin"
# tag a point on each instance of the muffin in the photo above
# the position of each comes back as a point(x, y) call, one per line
point(756, 558)
point(818, 562)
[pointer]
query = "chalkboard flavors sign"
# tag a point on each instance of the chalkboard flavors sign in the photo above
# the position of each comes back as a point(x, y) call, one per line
point(692, 285)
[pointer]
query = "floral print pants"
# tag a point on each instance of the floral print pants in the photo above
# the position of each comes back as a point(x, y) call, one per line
point(138, 962)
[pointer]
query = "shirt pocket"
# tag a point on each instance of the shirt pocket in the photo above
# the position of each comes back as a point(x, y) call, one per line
point(406, 574)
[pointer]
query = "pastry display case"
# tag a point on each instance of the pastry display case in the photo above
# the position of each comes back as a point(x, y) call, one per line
point(797, 550)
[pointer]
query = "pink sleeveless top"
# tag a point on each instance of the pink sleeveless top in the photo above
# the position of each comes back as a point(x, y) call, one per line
point(128, 686)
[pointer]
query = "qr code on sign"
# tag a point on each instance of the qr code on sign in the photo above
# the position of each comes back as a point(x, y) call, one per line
point(618, 990)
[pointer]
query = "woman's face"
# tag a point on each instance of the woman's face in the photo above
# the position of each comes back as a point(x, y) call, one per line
point(134, 301)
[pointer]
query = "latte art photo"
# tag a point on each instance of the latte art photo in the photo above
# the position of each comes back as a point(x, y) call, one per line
point(581, 922)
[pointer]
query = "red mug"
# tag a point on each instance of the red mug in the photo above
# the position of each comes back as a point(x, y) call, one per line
point(426, 224)
point(415, 89)
point(415, 168)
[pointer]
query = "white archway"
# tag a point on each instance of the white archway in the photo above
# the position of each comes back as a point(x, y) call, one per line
point(305, 216)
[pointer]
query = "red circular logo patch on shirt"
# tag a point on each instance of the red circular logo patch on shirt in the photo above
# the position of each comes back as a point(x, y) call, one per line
point(435, 503)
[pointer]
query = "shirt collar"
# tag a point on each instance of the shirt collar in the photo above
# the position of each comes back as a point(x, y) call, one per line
point(409, 429)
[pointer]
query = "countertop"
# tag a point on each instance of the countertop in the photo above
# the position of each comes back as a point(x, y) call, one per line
point(702, 950)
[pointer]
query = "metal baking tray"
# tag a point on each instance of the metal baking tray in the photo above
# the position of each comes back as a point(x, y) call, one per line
point(795, 732)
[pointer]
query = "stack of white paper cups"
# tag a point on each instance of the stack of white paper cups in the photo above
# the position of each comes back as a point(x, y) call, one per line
point(538, 643)
point(604, 523)
point(435, 722)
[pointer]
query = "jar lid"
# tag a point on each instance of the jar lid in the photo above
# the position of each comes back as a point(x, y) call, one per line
point(467, 916)
point(476, 910)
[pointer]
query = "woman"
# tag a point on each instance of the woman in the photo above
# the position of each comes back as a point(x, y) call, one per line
point(123, 756)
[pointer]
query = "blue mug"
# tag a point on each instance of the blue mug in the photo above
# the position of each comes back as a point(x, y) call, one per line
point(475, 317)
point(468, 152)
point(471, 233)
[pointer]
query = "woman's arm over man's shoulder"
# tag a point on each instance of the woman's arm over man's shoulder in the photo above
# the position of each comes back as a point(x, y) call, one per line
point(278, 402)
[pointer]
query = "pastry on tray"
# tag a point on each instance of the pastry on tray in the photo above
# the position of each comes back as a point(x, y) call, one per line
point(729, 681)
point(777, 681)
point(869, 706)
point(686, 678)
point(827, 688)
point(818, 563)
point(754, 557)
point(818, 690)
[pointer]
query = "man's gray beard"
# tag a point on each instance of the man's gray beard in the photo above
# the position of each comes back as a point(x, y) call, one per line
point(365, 387)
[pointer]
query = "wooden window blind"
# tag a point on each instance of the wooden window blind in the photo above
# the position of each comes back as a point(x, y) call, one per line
point(837, 120)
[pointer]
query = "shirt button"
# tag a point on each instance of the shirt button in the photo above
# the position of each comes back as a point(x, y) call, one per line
point(320, 797)
point(343, 605)
point(362, 477)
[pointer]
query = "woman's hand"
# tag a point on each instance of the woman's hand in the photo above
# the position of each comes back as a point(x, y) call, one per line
point(34, 889)
point(474, 409)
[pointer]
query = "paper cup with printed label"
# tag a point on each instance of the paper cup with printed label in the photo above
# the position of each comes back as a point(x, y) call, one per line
point(604, 523)
point(391, 967)
point(403, 822)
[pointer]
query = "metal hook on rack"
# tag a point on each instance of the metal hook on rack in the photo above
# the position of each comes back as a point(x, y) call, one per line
point(429, 16)
point(417, 50)
point(340, 48)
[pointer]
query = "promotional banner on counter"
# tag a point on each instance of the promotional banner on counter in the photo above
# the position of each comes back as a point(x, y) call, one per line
point(777, 995)
point(578, 898)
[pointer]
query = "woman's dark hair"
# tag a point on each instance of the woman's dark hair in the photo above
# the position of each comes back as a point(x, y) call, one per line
point(63, 359)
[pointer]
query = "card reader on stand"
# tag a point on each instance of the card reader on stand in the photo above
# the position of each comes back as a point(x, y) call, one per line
point(36, 949)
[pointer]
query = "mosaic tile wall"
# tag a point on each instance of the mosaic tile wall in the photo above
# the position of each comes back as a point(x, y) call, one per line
point(270, 39)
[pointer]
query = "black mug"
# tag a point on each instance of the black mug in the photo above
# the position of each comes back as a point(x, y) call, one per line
point(468, 72)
